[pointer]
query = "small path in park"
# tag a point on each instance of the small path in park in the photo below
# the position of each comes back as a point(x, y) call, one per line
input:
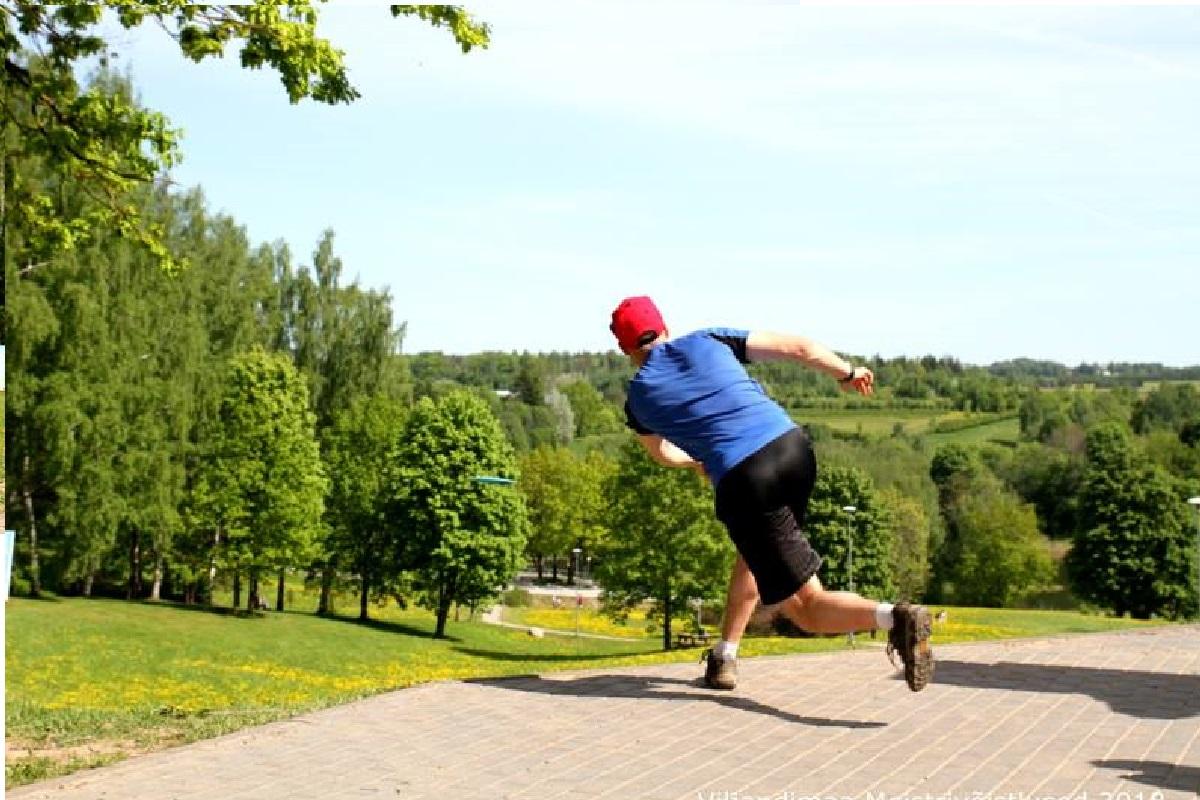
point(495, 617)
point(1112, 716)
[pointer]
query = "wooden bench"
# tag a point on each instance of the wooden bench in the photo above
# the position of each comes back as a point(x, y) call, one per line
point(691, 639)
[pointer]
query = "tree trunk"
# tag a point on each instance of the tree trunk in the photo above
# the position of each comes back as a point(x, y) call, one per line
point(279, 589)
point(156, 587)
point(3, 216)
point(554, 568)
point(237, 589)
point(88, 581)
point(252, 597)
point(133, 589)
point(666, 601)
point(189, 594)
point(363, 616)
point(325, 604)
point(212, 565)
point(571, 571)
point(35, 573)
point(538, 560)
point(445, 592)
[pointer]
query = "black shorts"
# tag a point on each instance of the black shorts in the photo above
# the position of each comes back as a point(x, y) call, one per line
point(763, 502)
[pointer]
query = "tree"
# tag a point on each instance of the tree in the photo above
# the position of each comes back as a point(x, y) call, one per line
point(826, 528)
point(954, 469)
point(667, 546)
point(115, 370)
point(264, 474)
point(564, 418)
point(547, 483)
point(566, 499)
point(1041, 413)
point(1050, 479)
point(1134, 552)
point(531, 381)
point(910, 543)
point(1171, 406)
point(592, 414)
point(104, 143)
point(952, 462)
point(461, 539)
point(344, 344)
point(1001, 555)
point(358, 454)
point(594, 475)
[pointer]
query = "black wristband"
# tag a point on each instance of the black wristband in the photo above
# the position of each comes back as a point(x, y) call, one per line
point(849, 377)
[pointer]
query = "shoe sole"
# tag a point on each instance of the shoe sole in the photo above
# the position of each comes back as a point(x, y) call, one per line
point(918, 670)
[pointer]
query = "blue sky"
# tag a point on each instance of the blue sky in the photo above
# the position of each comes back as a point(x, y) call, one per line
point(981, 182)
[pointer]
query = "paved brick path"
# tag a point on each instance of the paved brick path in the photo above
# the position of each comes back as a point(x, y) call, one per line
point(1102, 717)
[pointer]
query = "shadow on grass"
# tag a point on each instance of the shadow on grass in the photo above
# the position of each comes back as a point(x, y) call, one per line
point(1162, 774)
point(385, 626)
point(1148, 695)
point(41, 598)
point(549, 658)
point(389, 626)
point(174, 605)
point(658, 688)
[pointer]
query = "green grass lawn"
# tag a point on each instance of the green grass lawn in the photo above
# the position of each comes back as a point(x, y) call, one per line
point(93, 681)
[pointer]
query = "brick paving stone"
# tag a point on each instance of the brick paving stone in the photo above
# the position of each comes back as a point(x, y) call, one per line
point(1061, 718)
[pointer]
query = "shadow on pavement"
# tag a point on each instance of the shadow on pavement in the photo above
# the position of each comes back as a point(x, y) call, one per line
point(1148, 695)
point(1157, 773)
point(650, 687)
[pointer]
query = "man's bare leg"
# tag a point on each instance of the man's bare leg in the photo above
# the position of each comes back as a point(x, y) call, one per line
point(740, 603)
point(909, 627)
point(721, 669)
point(817, 610)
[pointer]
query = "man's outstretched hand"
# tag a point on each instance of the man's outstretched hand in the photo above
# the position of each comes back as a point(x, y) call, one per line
point(863, 382)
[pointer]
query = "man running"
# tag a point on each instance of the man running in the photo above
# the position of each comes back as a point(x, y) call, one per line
point(693, 405)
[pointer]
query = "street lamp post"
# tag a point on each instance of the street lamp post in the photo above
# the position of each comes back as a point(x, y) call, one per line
point(850, 561)
point(1194, 502)
point(575, 551)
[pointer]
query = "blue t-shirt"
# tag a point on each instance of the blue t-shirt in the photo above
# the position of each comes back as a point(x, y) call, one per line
point(694, 392)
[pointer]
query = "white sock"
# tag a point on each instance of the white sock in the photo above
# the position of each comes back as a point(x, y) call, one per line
point(726, 651)
point(883, 616)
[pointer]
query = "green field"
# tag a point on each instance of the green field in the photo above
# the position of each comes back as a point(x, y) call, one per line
point(1005, 430)
point(93, 681)
point(916, 421)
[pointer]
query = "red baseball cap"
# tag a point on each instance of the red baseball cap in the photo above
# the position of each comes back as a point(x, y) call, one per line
point(634, 317)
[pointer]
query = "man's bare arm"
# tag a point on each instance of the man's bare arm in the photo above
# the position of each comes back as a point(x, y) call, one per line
point(766, 346)
point(667, 453)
